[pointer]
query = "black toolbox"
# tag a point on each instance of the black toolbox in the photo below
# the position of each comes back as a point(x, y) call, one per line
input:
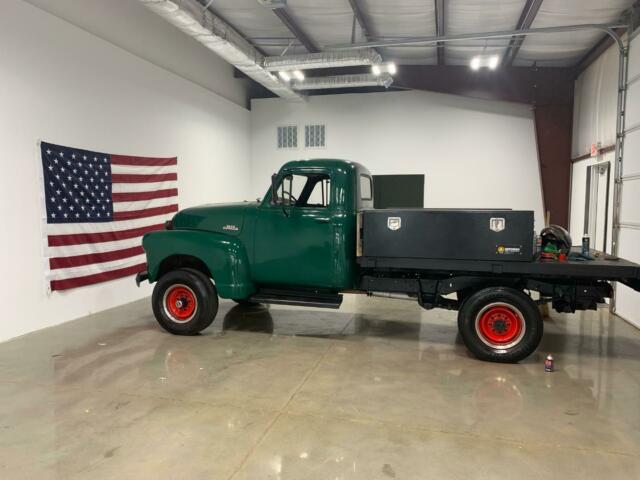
point(504, 235)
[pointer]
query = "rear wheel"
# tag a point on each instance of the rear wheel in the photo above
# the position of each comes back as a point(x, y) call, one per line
point(500, 324)
point(185, 302)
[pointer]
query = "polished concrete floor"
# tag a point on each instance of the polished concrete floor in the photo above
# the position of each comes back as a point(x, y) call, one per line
point(377, 390)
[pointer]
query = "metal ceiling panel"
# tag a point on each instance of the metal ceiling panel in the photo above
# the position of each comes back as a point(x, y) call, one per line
point(470, 16)
point(326, 22)
point(256, 23)
point(411, 55)
point(565, 49)
point(404, 18)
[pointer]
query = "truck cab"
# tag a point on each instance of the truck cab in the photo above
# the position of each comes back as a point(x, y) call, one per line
point(305, 226)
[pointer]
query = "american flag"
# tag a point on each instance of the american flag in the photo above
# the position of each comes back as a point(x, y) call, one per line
point(98, 207)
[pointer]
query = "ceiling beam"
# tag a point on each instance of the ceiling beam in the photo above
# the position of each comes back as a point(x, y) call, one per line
point(527, 16)
point(357, 13)
point(440, 29)
point(293, 27)
point(533, 86)
point(362, 21)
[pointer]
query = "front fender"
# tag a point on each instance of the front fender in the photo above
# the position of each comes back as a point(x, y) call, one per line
point(224, 256)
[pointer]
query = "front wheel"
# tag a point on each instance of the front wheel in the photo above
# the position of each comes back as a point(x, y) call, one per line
point(184, 301)
point(500, 324)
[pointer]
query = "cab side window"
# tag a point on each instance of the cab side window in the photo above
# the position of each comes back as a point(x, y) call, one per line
point(319, 196)
point(304, 190)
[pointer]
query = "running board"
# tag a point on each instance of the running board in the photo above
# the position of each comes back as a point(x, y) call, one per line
point(298, 298)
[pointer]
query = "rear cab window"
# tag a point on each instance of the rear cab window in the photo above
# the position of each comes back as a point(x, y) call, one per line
point(366, 187)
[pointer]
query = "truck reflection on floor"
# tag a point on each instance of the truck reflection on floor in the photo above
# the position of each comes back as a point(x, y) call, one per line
point(248, 318)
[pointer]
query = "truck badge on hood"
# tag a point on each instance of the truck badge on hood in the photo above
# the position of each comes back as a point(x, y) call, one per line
point(394, 223)
point(233, 228)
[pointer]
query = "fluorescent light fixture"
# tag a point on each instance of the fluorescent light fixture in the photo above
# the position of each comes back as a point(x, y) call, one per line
point(298, 74)
point(488, 61)
point(378, 68)
point(284, 76)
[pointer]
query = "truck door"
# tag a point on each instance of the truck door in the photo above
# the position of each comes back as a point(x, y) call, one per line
point(294, 232)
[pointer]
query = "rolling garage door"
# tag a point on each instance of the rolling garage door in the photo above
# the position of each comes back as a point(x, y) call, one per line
point(628, 301)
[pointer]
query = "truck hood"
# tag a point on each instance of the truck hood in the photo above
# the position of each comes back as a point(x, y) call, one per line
point(225, 218)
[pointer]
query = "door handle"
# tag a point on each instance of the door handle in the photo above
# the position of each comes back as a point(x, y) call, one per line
point(322, 220)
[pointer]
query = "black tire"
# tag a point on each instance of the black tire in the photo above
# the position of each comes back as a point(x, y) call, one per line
point(500, 324)
point(245, 302)
point(184, 301)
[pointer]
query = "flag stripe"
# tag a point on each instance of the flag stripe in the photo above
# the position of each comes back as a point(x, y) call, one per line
point(91, 269)
point(80, 260)
point(142, 169)
point(143, 204)
point(96, 277)
point(147, 212)
point(89, 248)
point(136, 196)
point(78, 238)
point(98, 227)
point(147, 161)
point(138, 178)
point(142, 187)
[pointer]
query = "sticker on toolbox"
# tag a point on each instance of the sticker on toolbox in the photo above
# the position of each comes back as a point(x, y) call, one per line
point(509, 249)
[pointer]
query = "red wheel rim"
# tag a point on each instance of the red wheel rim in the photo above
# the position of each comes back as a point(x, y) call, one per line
point(180, 303)
point(500, 325)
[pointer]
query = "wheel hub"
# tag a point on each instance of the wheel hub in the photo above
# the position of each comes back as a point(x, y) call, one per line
point(500, 325)
point(180, 303)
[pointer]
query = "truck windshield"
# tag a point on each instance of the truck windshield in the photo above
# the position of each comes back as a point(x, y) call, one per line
point(304, 190)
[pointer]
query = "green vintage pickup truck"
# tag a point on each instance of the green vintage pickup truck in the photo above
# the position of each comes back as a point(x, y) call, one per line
point(316, 236)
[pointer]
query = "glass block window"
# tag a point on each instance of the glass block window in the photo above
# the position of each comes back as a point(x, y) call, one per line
point(314, 136)
point(288, 136)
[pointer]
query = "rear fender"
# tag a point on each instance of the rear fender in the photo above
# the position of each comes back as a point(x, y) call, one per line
point(225, 257)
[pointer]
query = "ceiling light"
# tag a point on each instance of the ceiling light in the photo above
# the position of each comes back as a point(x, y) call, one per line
point(299, 75)
point(284, 76)
point(484, 61)
point(379, 68)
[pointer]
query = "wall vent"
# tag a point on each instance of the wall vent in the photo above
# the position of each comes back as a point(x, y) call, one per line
point(288, 136)
point(314, 136)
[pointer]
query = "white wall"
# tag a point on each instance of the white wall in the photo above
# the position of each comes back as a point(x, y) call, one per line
point(595, 108)
point(594, 120)
point(474, 153)
point(131, 26)
point(61, 84)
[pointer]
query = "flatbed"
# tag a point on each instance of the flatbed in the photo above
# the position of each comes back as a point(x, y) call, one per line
point(603, 267)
